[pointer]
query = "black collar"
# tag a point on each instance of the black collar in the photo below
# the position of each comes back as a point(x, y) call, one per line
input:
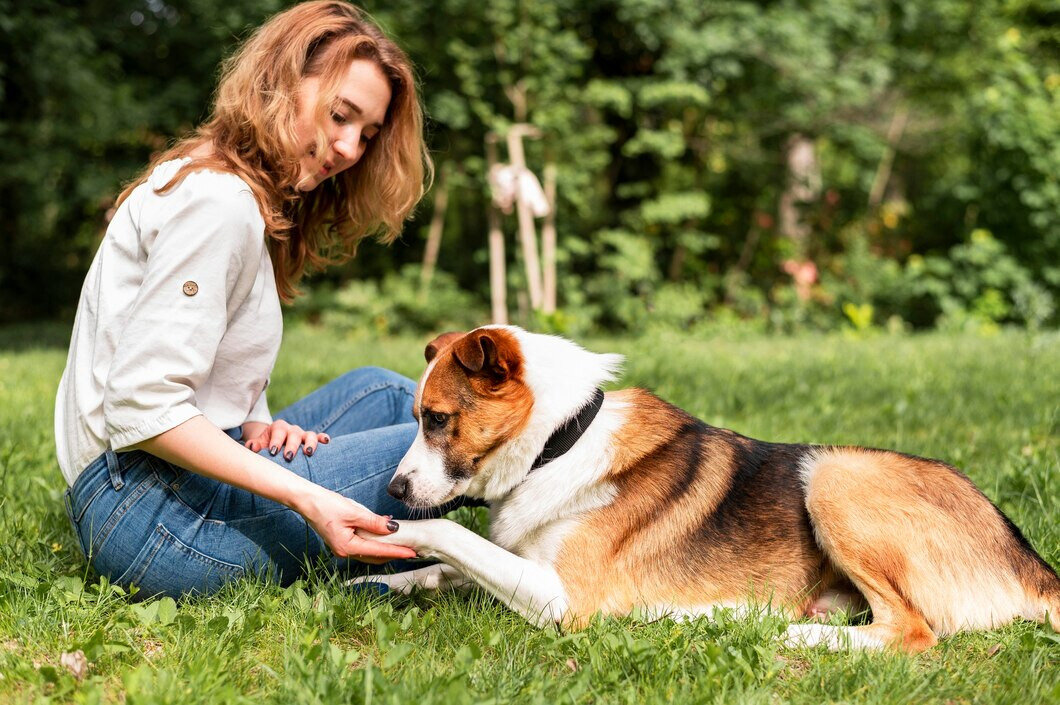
point(564, 437)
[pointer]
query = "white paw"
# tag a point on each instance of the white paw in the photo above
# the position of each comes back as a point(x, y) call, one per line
point(434, 577)
point(833, 638)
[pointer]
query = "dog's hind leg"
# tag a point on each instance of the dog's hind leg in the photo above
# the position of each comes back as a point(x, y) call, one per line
point(930, 553)
point(433, 577)
point(531, 589)
point(864, 532)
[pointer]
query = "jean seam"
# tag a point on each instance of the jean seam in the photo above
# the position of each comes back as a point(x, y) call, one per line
point(378, 387)
point(366, 478)
point(80, 515)
point(143, 565)
point(135, 495)
point(68, 502)
point(192, 552)
point(176, 495)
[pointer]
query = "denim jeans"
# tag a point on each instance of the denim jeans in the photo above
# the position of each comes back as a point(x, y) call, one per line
point(143, 521)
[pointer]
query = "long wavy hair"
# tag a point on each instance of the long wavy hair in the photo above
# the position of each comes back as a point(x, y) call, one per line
point(252, 129)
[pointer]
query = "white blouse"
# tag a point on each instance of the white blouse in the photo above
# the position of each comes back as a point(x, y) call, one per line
point(179, 316)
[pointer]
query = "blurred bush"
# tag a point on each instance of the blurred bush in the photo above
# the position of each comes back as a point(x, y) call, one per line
point(782, 164)
point(395, 304)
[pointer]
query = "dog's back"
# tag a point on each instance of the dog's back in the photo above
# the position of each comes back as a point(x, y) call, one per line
point(702, 517)
point(705, 517)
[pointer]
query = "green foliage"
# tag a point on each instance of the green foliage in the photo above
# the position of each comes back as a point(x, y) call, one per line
point(669, 124)
point(396, 304)
point(977, 285)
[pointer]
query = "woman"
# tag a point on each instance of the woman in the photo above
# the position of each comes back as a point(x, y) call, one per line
point(180, 480)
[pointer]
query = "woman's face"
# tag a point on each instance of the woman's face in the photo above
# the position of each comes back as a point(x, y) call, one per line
point(354, 120)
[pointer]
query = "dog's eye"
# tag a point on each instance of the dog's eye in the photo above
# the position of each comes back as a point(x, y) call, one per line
point(436, 419)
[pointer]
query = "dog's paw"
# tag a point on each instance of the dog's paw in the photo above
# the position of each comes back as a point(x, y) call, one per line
point(421, 535)
point(368, 584)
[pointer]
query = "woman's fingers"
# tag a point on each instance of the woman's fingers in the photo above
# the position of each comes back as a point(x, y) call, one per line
point(309, 445)
point(282, 436)
point(260, 441)
point(367, 551)
point(277, 436)
point(370, 560)
point(376, 524)
point(294, 439)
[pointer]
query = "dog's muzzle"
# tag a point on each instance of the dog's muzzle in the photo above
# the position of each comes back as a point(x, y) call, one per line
point(399, 488)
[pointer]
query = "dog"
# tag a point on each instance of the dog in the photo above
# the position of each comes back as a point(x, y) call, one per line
point(610, 503)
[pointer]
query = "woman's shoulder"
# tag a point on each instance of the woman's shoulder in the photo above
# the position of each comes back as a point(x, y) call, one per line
point(205, 181)
point(222, 195)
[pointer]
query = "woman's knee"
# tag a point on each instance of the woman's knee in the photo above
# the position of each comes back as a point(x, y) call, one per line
point(364, 378)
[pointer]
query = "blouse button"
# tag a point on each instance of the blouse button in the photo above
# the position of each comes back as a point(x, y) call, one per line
point(191, 288)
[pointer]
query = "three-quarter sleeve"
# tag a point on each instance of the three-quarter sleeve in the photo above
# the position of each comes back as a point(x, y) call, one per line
point(202, 247)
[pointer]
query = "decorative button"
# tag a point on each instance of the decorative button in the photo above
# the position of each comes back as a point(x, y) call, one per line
point(191, 288)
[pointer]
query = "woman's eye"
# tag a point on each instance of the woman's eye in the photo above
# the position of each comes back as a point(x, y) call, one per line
point(338, 118)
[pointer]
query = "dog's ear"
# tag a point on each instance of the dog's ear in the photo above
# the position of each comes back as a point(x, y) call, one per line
point(488, 353)
point(438, 344)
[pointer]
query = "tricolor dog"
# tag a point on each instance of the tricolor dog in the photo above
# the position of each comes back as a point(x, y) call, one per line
point(606, 503)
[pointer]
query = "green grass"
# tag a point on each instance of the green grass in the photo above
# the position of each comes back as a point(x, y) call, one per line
point(989, 405)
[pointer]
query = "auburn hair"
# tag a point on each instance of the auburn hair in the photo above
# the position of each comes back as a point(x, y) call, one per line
point(252, 128)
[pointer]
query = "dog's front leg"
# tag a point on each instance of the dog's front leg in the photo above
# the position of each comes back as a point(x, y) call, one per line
point(531, 589)
point(433, 577)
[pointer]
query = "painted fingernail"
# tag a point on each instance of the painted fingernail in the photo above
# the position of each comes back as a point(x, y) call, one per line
point(392, 526)
point(308, 451)
point(272, 450)
point(288, 455)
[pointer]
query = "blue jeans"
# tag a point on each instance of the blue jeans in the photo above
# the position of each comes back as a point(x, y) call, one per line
point(143, 521)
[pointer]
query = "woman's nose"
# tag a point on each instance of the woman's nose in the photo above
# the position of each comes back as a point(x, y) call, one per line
point(349, 151)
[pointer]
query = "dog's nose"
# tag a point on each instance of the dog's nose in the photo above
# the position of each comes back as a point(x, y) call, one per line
point(399, 487)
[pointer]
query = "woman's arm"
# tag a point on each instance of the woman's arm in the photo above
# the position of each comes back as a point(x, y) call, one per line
point(201, 447)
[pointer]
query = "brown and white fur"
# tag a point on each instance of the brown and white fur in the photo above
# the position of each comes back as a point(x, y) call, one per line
point(655, 510)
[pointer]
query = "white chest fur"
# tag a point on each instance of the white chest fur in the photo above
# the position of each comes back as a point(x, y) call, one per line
point(535, 518)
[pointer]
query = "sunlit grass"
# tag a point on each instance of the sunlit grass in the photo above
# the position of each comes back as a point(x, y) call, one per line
point(988, 405)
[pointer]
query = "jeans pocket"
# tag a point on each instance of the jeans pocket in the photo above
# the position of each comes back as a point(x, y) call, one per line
point(168, 566)
point(126, 500)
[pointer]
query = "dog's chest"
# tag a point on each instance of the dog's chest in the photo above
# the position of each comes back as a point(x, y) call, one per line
point(541, 514)
point(532, 537)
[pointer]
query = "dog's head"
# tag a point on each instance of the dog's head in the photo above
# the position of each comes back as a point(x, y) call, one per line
point(486, 404)
point(471, 399)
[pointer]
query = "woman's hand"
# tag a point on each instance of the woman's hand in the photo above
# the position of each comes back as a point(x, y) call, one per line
point(337, 518)
point(280, 434)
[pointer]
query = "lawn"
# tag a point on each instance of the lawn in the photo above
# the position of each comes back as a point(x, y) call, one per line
point(990, 405)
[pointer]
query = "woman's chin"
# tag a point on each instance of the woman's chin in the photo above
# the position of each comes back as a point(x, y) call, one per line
point(307, 183)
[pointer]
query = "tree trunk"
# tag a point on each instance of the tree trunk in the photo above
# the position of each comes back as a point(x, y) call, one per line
point(434, 233)
point(548, 242)
point(804, 186)
point(498, 271)
point(527, 232)
point(883, 171)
